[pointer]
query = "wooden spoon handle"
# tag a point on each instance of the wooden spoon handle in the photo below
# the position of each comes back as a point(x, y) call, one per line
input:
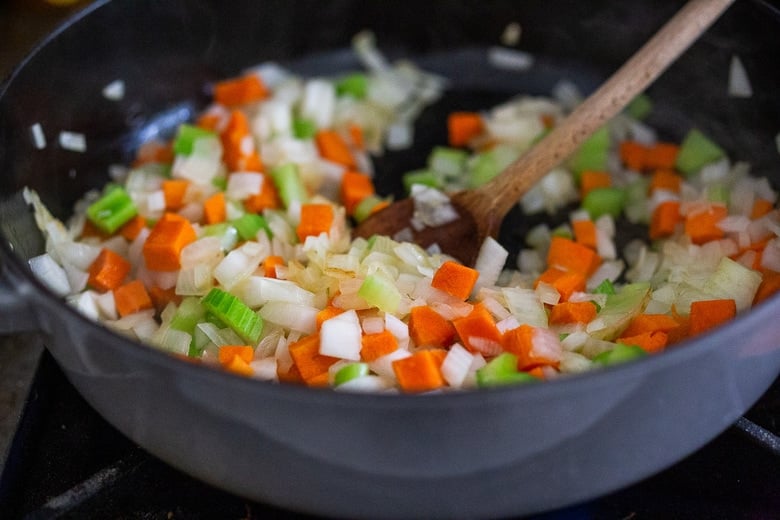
point(630, 80)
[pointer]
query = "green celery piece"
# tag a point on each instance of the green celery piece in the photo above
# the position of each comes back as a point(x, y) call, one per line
point(592, 154)
point(502, 370)
point(366, 206)
point(288, 182)
point(112, 210)
point(304, 128)
point(604, 201)
point(186, 136)
point(425, 177)
point(718, 193)
point(249, 224)
point(225, 231)
point(449, 162)
point(620, 354)
point(640, 107)
point(355, 85)
point(220, 183)
point(484, 166)
point(349, 372)
point(380, 292)
point(188, 315)
point(621, 308)
point(605, 287)
point(564, 231)
point(696, 151)
point(235, 314)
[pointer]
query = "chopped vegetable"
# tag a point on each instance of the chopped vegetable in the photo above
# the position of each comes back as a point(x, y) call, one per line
point(111, 211)
point(235, 314)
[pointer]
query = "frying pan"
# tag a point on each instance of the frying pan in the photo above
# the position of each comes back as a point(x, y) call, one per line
point(502, 452)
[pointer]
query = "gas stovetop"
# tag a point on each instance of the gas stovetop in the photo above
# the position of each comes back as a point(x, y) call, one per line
point(67, 462)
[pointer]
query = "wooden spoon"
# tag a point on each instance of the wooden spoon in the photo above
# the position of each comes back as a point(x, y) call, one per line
point(482, 210)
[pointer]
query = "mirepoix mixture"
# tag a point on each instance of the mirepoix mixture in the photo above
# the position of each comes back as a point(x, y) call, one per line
point(230, 245)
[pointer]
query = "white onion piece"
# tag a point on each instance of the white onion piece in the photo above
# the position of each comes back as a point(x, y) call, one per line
point(50, 273)
point(242, 185)
point(115, 90)
point(739, 83)
point(490, 262)
point(509, 59)
point(239, 264)
point(73, 141)
point(455, 366)
point(340, 336)
point(368, 383)
point(292, 316)
point(384, 365)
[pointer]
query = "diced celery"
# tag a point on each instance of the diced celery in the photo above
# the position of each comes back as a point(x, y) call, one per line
point(484, 166)
point(380, 292)
point(249, 224)
point(235, 314)
point(349, 372)
point(186, 136)
point(366, 206)
point(424, 177)
point(718, 193)
point(592, 154)
point(502, 370)
point(605, 287)
point(446, 161)
point(621, 308)
point(640, 107)
point(304, 128)
point(288, 182)
point(112, 210)
point(355, 85)
point(604, 201)
point(620, 354)
point(226, 232)
point(697, 150)
point(220, 183)
point(189, 313)
point(564, 230)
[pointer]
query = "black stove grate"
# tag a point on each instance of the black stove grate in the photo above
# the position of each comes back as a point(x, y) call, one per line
point(67, 462)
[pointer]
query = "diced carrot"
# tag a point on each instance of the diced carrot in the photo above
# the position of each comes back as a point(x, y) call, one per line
point(664, 220)
point(174, 190)
point(585, 233)
point(131, 297)
point(462, 127)
point(572, 312)
point(537, 371)
point(130, 230)
point(315, 219)
point(478, 331)
point(333, 148)
point(420, 372)
point(291, 375)
point(678, 334)
point(590, 180)
point(520, 342)
point(239, 152)
point(327, 313)
point(663, 179)
point(227, 352)
point(633, 153)
point(306, 355)
point(108, 270)
point(651, 323)
point(567, 255)
point(162, 297)
point(268, 198)
point(356, 136)
point(565, 282)
point(661, 156)
point(355, 186)
point(154, 152)
point(428, 328)
point(702, 226)
point(707, 314)
point(650, 342)
point(760, 208)
point(770, 284)
point(166, 240)
point(269, 265)
point(240, 90)
point(455, 279)
point(214, 208)
point(237, 365)
point(548, 120)
point(374, 346)
point(210, 121)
